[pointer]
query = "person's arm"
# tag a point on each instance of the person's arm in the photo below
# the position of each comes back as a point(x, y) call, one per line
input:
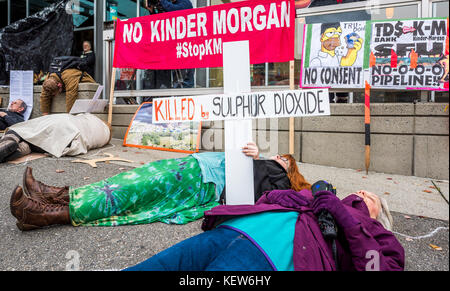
point(178, 5)
point(377, 249)
point(12, 118)
point(379, 252)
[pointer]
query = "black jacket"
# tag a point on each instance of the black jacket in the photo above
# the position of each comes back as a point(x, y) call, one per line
point(89, 59)
point(267, 175)
point(11, 118)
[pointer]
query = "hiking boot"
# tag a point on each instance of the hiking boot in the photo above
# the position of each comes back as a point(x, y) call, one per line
point(42, 192)
point(8, 145)
point(32, 214)
point(17, 197)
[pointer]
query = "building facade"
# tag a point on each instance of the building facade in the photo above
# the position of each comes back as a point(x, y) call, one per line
point(90, 19)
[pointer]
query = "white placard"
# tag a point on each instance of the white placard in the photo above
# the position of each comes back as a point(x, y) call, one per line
point(238, 106)
point(93, 105)
point(239, 188)
point(21, 87)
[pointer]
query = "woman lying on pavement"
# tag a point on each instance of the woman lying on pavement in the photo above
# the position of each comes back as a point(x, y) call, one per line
point(171, 191)
point(281, 232)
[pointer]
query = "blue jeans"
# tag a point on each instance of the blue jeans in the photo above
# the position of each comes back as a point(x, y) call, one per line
point(220, 249)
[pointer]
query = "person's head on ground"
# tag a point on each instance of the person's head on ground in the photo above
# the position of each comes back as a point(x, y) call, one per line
point(87, 47)
point(288, 162)
point(378, 208)
point(52, 86)
point(18, 106)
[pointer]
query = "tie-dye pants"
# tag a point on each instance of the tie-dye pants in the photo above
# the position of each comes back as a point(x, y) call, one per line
point(169, 191)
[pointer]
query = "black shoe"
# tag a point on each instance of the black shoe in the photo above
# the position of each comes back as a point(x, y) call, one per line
point(7, 147)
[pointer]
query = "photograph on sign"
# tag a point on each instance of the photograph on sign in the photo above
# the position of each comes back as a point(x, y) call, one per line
point(178, 137)
point(409, 54)
point(334, 55)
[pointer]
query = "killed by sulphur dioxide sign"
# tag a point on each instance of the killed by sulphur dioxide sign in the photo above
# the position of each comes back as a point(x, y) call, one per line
point(272, 104)
point(193, 38)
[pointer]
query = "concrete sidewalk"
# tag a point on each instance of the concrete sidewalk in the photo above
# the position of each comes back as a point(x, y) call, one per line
point(420, 218)
point(405, 194)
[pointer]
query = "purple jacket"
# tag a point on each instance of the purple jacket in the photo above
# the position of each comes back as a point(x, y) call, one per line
point(367, 246)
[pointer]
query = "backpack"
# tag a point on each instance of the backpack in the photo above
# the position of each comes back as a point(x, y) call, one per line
point(59, 64)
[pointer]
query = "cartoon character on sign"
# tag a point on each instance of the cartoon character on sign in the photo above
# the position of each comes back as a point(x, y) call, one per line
point(333, 53)
point(443, 62)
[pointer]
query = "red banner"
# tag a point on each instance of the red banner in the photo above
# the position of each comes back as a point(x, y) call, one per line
point(193, 38)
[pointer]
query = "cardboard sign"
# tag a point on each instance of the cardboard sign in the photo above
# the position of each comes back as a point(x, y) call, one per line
point(193, 38)
point(409, 54)
point(334, 55)
point(271, 104)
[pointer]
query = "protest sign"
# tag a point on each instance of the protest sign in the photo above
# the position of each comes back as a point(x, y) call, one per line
point(271, 104)
point(193, 38)
point(21, 87)
point(409, 54)
point(181, 137)
point(334, 55)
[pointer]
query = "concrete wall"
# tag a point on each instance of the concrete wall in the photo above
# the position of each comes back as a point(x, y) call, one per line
point(85, 91)
point(406, 139)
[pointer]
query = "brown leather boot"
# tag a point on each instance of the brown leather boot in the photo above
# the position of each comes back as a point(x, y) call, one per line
point(8, 145)
point(32, 214)
point(42, 192)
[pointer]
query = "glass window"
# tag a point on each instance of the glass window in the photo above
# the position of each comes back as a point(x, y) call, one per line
point(200, 77)
point(216, 77)
point(122, 9)
point(381, 96)
point(440, 9)
point(319, 3)
point(258, 74)
point(83, 15)
point(397, 12)
point(142, 10)
point(18, 10)
point(3, 13)
point(79, 37)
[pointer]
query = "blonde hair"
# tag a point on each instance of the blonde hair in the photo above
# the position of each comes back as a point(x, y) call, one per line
point(384, 216)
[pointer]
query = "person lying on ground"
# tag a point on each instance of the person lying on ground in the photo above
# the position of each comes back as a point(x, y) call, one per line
point(281, 232)
point(13, 114)
point(68, 81)
point(171, 191)
point(56, 134)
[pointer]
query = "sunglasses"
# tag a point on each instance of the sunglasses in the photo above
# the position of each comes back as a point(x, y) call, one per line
point(285, 160)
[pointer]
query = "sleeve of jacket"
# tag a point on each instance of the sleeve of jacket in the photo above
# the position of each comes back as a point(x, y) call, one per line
point(178, 5)
point(12, 119)
point(377, 250)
